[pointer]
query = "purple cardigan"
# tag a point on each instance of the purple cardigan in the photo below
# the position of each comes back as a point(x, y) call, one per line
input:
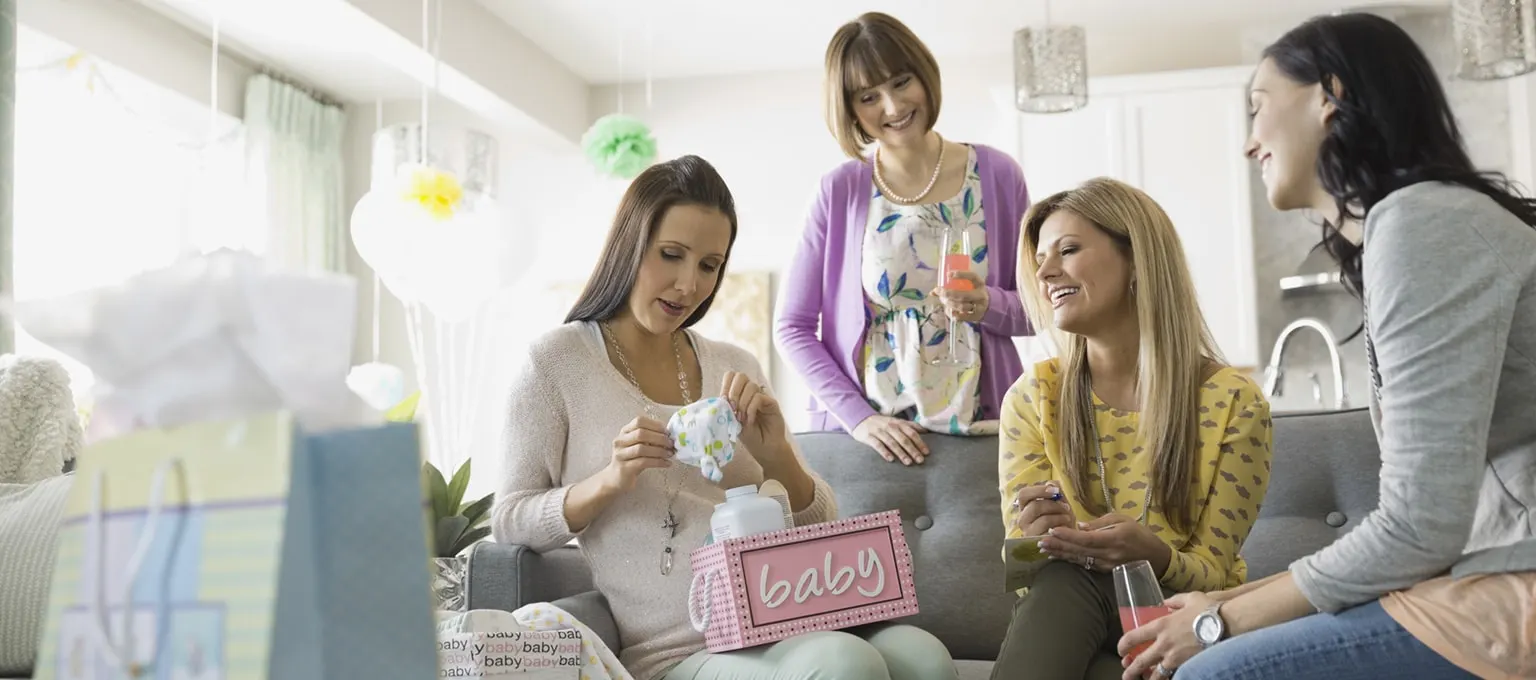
point(822, 290)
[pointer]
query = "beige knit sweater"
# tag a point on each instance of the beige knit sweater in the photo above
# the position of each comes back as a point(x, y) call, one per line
point(567, 404)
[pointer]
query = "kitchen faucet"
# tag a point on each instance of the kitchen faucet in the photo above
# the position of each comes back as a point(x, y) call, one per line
point(1275, 373)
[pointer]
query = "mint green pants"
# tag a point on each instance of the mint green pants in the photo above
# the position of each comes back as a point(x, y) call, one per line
point(877, 652)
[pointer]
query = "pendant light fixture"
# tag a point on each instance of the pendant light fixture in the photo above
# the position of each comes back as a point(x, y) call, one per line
point(1494, 38)
point(1050, 67)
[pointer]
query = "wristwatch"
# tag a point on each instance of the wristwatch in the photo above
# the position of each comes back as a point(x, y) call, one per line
point(1209, 626)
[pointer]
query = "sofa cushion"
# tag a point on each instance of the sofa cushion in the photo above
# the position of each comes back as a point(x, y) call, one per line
point(29, 529)
point(949, 512)
point(1324, 482)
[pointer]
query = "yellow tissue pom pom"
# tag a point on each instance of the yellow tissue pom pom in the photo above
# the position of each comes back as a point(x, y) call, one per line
point(436, 191)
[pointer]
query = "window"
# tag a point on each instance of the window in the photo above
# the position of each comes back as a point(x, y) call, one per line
point(115, 175)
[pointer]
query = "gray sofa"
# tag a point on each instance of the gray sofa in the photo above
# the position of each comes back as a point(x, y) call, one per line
point(1324, 481)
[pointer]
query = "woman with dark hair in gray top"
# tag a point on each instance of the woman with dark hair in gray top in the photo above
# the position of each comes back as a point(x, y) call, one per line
point(1349, 120)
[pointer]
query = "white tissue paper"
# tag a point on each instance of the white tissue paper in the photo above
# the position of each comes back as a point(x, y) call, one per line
point(212, 337)
point(380, 385)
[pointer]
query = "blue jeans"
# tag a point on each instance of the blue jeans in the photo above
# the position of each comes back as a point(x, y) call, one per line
point(1362, 643)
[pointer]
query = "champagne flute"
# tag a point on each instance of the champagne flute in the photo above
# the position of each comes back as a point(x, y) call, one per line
point(1140, 598)
point(954, 257)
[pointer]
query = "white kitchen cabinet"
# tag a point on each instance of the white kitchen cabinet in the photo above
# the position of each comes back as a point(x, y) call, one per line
point(1179, 137)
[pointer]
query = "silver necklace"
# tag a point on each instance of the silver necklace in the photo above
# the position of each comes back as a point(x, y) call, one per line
point(671, 524)
point(937, 167)
point(1098, 450)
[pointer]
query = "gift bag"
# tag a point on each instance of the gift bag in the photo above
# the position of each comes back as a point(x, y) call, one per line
point(243, 549)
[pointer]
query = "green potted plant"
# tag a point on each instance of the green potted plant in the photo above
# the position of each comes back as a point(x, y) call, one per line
point(455, 525)
point(452, 523)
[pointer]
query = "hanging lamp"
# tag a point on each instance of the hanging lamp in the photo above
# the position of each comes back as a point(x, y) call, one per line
point(1494, 38)
point(1050, 67)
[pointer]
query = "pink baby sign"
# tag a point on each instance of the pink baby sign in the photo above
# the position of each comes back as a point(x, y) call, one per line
point(763, 588)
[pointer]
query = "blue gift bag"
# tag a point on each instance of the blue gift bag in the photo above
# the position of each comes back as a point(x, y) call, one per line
point(244, 550)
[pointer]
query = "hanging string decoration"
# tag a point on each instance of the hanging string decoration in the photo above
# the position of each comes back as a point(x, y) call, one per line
point(88, 72)
point(618, 145)
point(431, 229)
point(380, 385)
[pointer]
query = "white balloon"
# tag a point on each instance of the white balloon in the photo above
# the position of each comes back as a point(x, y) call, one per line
point(457, 262)
point(448, 265)
point(380, 234)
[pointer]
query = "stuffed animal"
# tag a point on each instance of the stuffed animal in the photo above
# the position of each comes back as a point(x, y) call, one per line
point(39, 426)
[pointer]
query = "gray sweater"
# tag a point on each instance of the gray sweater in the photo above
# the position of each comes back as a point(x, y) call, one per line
point(1450, 298)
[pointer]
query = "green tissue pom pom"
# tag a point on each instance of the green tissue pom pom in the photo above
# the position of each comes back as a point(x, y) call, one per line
point(619, 145)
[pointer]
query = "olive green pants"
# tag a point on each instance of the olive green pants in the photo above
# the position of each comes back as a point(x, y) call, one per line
point(1065, 627)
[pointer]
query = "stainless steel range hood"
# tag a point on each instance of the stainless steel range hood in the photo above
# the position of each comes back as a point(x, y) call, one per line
point(1317, 274)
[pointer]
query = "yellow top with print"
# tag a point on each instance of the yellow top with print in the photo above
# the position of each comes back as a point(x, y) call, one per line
point(1233, 471)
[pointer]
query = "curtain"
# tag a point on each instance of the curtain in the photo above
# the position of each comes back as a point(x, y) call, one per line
point(294, 154)
point(7, 164)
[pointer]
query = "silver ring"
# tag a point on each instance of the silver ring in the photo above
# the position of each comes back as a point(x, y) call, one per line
point(1017, 506)
point(1163, 671)
point(1089, 564)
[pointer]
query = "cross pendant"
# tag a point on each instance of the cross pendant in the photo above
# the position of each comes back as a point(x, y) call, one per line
point(670, 525)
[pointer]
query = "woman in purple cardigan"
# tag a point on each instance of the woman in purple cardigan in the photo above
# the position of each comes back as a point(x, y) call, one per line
point(867, 269)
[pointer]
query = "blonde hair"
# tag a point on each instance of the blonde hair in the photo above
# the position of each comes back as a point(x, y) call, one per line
point(1176, 355)
point(864, 53)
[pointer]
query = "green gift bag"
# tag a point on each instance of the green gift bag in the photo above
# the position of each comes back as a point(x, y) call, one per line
point(245, 549)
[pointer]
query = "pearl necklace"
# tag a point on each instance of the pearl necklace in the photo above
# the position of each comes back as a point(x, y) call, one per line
point(886, 189)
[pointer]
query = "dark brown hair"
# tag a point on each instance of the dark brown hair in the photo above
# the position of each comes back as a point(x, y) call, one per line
point(688, 180)
point(864, 53)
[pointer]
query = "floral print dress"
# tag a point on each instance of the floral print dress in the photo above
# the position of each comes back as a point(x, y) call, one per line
point(908, 329)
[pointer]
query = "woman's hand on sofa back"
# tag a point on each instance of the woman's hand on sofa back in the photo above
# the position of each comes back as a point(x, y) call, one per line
point(893, 438)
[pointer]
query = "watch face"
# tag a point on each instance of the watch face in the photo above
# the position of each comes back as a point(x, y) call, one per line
point(1207, 628)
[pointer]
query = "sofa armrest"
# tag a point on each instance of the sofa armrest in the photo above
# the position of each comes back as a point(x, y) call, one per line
point(506, 577)
point(591, 608)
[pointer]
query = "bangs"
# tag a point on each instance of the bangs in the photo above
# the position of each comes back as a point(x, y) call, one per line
point(869, 62)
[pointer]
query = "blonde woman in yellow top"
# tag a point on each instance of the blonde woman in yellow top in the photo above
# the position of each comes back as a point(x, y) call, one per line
point(1135, 443)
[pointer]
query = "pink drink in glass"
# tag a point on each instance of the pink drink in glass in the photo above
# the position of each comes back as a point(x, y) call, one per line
point(1132, 618)
point(1140, 598)
point(953, 264)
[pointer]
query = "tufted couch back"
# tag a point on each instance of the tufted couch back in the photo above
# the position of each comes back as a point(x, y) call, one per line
point(1324, 482)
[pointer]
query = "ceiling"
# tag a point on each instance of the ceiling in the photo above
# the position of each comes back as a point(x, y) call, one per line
point(688, 38)
point(311, 51)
